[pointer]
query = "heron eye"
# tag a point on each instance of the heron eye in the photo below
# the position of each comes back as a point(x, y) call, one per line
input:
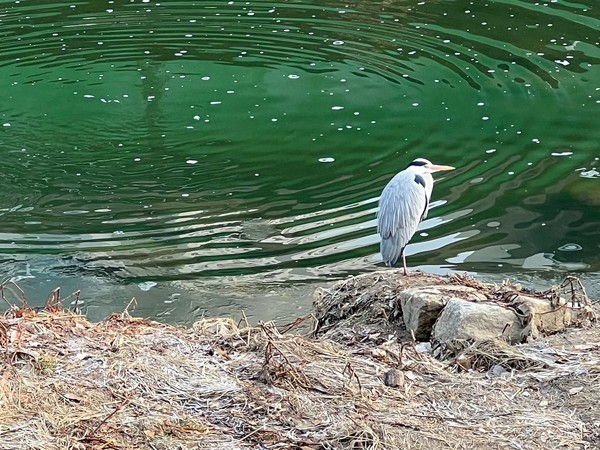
point(420, 180)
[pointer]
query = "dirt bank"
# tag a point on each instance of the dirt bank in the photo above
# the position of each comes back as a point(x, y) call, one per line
point(129, 383)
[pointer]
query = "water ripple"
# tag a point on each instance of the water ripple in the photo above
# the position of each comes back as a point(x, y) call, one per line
point(247, 142)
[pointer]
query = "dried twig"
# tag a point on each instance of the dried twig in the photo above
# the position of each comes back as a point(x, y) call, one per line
point(132, 303)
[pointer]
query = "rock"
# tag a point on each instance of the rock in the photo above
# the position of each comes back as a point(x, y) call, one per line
point(543, 315)
point(422, 306)
point(393, 378)
point(462, 320)
point(423, 347)
point(497, 370)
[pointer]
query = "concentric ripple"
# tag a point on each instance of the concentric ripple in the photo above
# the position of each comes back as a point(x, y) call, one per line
point(208, 156)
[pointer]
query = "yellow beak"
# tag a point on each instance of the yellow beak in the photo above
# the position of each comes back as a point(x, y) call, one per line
point(436, 168)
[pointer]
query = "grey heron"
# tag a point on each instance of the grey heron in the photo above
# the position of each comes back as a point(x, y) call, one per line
point(403, 204)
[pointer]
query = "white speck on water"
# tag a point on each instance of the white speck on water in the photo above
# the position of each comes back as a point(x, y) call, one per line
point(326, 159)
point(570, 247)
point(535, 140)
point(293, 76)
point(192, 161)
point(216, 102)
point(592, 173)
point(338, 42)
point(415, 104)
point(151, 97)
point(88, 96)
point(337, 108)
point(137, 159)
point(196, 117)
point(572, 46)
point(6, 124)
point(480, 104)
point(491, 150)
point(205, 78)
point(562, 153)
point(185, 195)
point(147, 285)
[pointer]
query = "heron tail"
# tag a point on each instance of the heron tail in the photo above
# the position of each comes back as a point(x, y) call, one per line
point(391, 251)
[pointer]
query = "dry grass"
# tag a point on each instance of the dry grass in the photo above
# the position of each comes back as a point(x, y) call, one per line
point(128, 383)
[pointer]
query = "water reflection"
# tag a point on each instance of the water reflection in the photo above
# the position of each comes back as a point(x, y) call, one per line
point(204, 157)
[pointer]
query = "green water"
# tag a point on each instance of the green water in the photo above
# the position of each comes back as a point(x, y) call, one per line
point(208, 157)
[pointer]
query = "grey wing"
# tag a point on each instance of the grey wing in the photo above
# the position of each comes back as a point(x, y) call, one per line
point(402, 205)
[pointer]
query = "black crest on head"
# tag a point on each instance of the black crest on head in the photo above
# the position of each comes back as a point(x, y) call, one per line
point(418, 162)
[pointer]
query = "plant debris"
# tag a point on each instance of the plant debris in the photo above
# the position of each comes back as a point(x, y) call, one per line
point(368, 306)
point(131, 383)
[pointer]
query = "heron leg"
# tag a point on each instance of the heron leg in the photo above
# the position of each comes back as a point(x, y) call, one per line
point(404, 264)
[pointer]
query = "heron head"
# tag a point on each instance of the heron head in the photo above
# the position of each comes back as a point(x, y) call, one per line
point(427, 166)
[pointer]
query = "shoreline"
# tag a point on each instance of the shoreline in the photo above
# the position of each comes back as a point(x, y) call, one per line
point(130, 383)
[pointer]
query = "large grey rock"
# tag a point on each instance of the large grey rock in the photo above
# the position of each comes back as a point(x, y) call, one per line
point(421, 306)
point(462, 320)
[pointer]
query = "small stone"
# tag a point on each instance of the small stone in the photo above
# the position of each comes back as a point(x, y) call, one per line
point(575, 390)
point(423, 347)
point(497, 370)
point(393, 378)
